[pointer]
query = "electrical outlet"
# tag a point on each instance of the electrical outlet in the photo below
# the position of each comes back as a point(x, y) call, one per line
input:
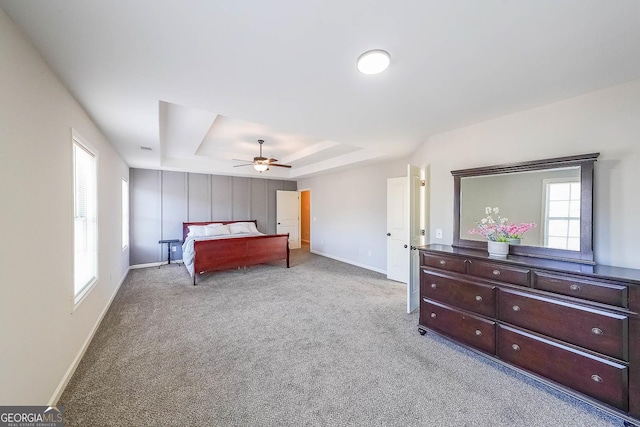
point(173, 248)
point(438, 233)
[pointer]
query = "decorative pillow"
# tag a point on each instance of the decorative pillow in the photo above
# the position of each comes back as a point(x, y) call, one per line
point(217, 230)
point(239, 227)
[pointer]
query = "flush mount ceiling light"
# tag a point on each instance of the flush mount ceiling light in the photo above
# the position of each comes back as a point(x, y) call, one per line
point(373, 61)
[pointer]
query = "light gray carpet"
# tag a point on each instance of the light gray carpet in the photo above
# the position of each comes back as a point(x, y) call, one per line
point(321, 344)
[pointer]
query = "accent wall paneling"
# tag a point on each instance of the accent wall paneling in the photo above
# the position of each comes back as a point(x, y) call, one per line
point(221, 206)
point(198, 196)
point(241, 202)
point(162, 200)
point(175, 206)
point(258, 209)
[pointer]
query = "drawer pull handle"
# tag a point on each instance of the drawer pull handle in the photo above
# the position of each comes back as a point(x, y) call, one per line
point(496, 272)
point(516, 308)
point(596, 378)
point(478, 332)
point(443, 262)
point(516, 347)
point(575, 288)
point(478, 298)
point(596, 331)
point(433, 286)
point(433, 315)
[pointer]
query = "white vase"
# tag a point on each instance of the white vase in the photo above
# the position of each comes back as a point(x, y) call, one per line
point(498, 249)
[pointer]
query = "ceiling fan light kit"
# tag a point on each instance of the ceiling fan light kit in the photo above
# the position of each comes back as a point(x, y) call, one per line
point(260, 163)
point(373, 61)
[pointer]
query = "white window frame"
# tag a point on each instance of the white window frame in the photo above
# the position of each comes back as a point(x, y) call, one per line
point(125, 214)
point(79, 295)
point(545, 203)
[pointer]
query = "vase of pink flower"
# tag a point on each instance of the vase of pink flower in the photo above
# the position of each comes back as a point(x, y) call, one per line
point(514, 232)
point(499, 232)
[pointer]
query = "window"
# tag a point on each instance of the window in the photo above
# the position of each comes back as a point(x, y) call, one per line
point(562, 214)
point(85, 224)
point(125, 214)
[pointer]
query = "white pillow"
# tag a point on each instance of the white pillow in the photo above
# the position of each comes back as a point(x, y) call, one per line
point(239, 227)
point(217, 230)
point(251, 225)
point(196, 231)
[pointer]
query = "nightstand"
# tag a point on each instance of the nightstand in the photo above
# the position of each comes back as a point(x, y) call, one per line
point(169, 243)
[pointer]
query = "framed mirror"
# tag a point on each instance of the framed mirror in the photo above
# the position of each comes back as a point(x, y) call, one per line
point(551, 199)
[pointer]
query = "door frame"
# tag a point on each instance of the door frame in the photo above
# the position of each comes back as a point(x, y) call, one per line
point(418, 205)
point(310, 215)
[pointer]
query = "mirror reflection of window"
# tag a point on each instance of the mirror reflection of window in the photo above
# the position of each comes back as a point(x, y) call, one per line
point(562, 214)
point(521, 197)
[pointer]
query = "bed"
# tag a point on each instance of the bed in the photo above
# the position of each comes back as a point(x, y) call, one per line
point(220, 245)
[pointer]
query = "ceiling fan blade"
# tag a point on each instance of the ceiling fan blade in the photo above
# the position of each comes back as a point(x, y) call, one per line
point(246, 164)
point(279, 165)
point(272, 160)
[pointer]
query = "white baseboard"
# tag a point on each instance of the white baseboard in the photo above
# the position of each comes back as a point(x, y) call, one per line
point(154, 264)
point(150, 264)
point(74, 365)
point(367, 267)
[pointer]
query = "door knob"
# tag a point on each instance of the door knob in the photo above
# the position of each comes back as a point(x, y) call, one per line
point(388, 234)
point(405, 246)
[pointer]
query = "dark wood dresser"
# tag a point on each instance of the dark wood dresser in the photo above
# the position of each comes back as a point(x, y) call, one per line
point(573, 326)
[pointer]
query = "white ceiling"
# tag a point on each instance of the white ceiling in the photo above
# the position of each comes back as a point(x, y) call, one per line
point(201, 81)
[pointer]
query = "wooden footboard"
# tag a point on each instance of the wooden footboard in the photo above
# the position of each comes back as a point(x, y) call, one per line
point(222, 254)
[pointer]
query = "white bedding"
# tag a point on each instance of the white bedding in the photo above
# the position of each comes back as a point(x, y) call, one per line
point(188, 254)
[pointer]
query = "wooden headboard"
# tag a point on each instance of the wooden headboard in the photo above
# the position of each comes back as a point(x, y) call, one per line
point(185, 225)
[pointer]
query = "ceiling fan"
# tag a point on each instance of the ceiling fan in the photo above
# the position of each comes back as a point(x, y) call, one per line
point(261, 163)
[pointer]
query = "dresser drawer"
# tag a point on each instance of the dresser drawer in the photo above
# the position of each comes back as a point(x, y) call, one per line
point(597, 377)
point(464, 327)
point(458, 292)
point(503, 273)
point(444, 262)
point(594, 329)
point(577, 287)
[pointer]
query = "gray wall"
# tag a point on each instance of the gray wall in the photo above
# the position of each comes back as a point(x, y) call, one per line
point(349, 213)
point(604, 122)
point(162, 200)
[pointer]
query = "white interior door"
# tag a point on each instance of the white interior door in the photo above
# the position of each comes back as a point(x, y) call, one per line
point(288, 216)
point(415, 238)
point(397, 230)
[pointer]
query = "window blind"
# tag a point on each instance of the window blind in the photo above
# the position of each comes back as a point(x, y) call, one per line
point(85, 219)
